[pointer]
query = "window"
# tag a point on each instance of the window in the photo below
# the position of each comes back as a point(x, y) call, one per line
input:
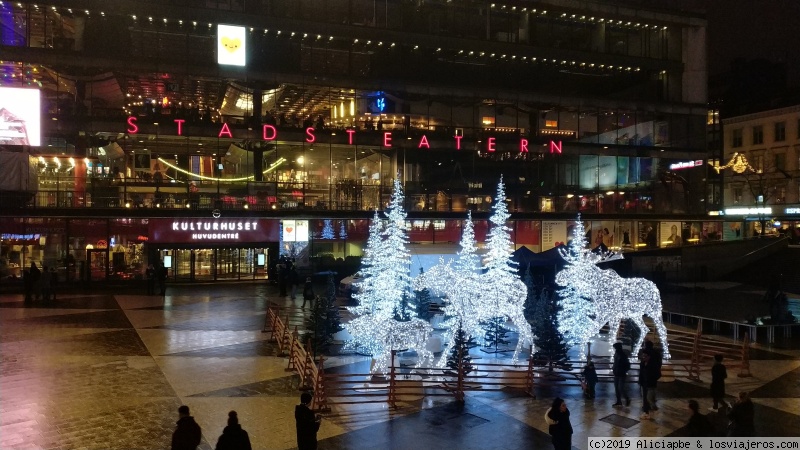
point(780, 161)
point(737, 195)
point(758, 163)
point(780, 131)
point(737, 138)
point(758, 134)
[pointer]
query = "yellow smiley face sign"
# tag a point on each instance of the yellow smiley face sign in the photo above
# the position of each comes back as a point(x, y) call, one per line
point(231, 45)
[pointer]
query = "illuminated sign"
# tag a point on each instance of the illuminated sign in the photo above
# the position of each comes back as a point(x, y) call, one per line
point(747, 211)
point(221, 230)
point(295, 230)
point(686, 164)
point(270, 133)
point(231, 45)
point(20, 120)
point(791, 211)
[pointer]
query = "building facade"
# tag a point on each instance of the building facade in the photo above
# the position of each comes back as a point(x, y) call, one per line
point(762, 169)
point(279, 110)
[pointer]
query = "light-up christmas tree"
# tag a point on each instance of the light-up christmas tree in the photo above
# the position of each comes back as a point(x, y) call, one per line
point(577, 311)
point(468, 260)
point(504, 293)
point(383, 321)
point(327, 230)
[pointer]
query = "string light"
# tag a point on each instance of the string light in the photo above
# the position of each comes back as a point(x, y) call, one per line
point(272, 167)
point(473, 298)
point(592, 297)
point(383, 323)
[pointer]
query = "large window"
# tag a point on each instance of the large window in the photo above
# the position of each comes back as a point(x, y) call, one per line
point(758, 134)
point(780, 131)
point(736, 140)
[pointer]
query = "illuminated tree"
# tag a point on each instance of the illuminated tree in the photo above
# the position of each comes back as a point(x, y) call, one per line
point(383, 321)
point(327, 230)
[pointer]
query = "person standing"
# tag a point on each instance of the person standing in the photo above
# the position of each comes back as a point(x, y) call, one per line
point(283, 276)
point(590, 378)
point(150, 275)
point(308, 293)
point(162, 278)
point(718, 375)
point(294, 280)
point(654, 363)
point(741, 417)
point(187, 434)
point(560, 428)
point(620, 369)
point(233, 436)
point(27, 283)
point(647, 383)
point(307, 423)
point(698, 425)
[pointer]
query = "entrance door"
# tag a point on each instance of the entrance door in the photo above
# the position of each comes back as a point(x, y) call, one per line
point(98, 264)
point(227, 263)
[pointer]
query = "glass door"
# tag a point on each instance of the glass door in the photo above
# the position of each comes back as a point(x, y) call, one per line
point(227, 263)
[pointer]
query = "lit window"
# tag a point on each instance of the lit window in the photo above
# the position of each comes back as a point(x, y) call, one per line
point(551, 123)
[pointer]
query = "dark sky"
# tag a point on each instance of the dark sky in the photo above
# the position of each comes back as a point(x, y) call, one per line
point(753, 29)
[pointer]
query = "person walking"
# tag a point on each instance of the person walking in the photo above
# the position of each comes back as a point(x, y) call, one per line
point(718, 375)
point(150, 276)
point(741, 417)
point(308, 293)
point(187, 434)
point(698, 425)
point(307, 423)
point(620, 368)
point(590, 379)
point(559, 426)
point(233, 436)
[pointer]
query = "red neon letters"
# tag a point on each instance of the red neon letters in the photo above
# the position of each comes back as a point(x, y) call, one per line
point(270, 133)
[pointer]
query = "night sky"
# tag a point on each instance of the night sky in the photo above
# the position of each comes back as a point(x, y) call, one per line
point(754, 29)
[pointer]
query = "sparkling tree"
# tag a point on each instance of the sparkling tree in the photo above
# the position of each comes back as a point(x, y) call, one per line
point(577, 311)
point(503, 291)
point(422, 301)
point(383, 322)
point(496, 334)
point(342, 230)
point(468, 259)
point(327, 230)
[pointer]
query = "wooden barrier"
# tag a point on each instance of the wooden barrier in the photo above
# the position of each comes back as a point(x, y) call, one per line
point(300, 360)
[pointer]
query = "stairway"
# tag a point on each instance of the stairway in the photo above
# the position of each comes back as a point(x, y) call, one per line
point(785, 263)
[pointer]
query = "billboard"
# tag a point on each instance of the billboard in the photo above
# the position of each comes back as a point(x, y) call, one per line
point(295, 230)
point(231, 45)
point(20, 116)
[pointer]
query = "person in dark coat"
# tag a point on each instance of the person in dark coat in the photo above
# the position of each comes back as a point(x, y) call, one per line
point(741, 417)
point(718, 375)
point(150, 275)
point(307, 423)
point(590, 378)
point(36, 275)
point(308, 293)
point(233, 436)
point(620, 369)
point(187, 434)
point(698, 425)
point(294, 280)
point(161, 273)
point(560, 427)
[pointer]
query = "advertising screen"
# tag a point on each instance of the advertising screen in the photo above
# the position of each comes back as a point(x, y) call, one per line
point(20, 116)
point(231, 45)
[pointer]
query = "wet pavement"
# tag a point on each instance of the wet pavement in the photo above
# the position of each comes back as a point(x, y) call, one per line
point(108, 369)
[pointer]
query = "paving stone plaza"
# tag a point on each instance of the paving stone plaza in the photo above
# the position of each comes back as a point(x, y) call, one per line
point(109, 369)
